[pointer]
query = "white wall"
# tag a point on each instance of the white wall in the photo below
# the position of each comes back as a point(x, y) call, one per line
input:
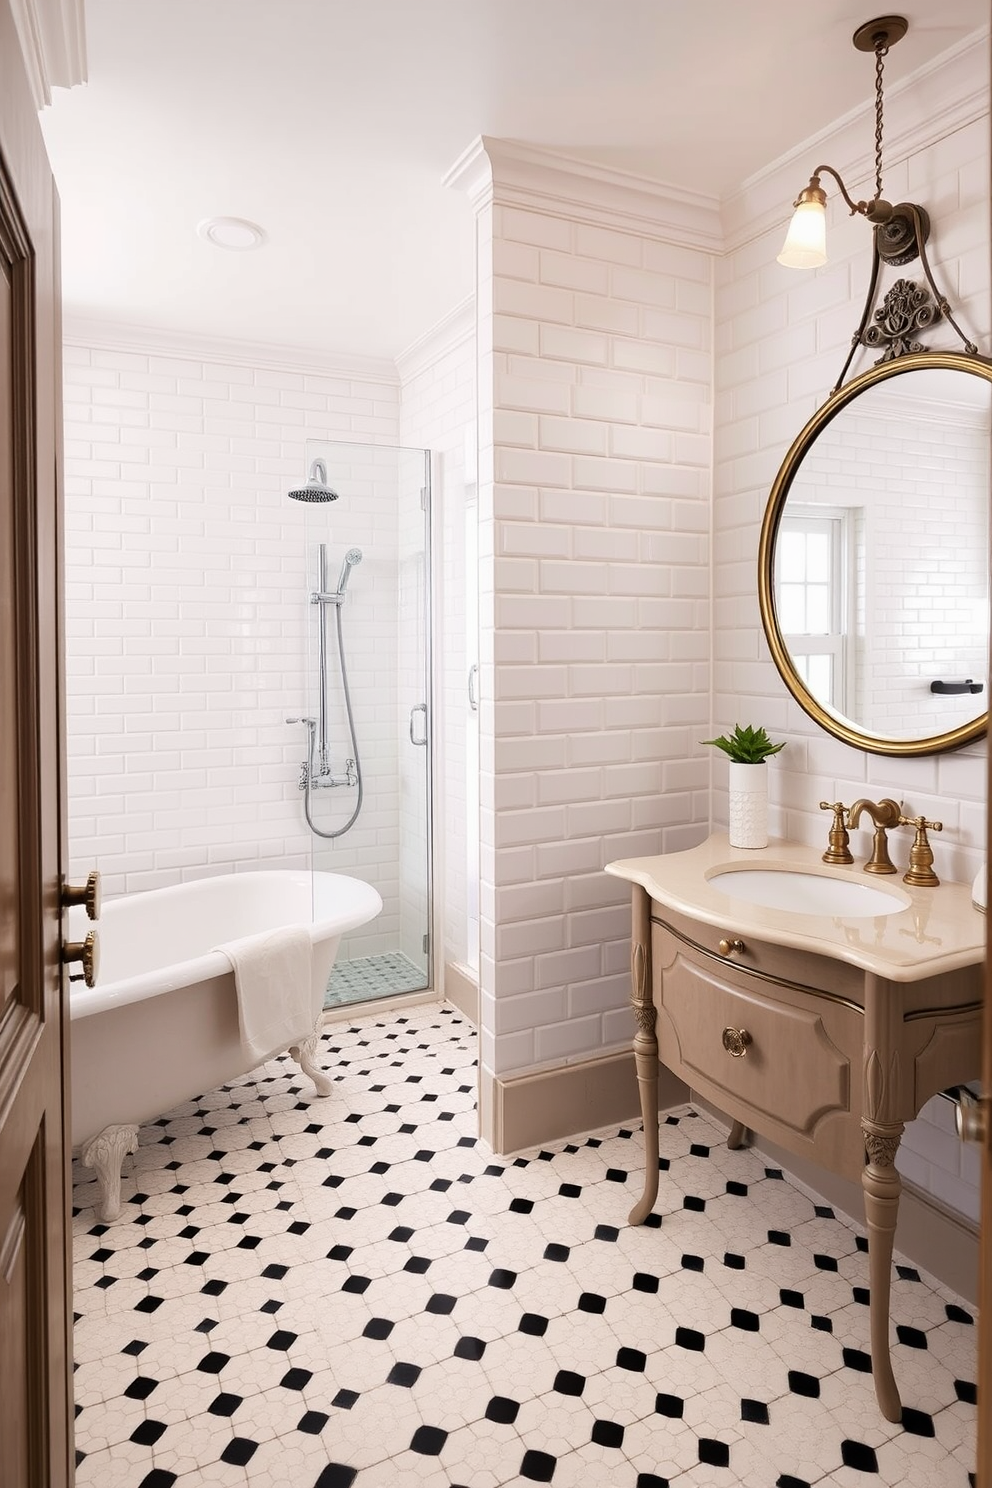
point(594, 415)
point(186, 611)
point(782, 336)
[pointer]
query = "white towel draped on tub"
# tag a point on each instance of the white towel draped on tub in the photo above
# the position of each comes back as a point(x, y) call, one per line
point(274, 980)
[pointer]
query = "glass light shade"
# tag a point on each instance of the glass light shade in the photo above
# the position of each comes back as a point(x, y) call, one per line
point(805, 245)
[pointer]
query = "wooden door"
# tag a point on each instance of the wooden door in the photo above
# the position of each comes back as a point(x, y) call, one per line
point(985, 1233)
point(35, 1369)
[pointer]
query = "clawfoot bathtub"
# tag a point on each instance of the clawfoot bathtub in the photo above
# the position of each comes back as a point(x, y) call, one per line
point(161, 1026)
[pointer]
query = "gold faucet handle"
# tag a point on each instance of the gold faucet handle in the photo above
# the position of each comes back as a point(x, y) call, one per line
point(839, 848)
point(920, 872)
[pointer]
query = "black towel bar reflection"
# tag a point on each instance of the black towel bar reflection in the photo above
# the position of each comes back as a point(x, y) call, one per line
point(956, 688)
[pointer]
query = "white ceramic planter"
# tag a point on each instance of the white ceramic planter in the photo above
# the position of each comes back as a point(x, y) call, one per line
point(748, 805)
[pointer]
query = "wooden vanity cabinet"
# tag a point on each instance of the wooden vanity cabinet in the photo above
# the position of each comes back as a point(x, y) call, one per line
point(825, 1058)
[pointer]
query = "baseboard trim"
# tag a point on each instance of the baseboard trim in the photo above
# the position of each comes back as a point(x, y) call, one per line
point(461, 989)
point(570, 1100)
point(929, 1234)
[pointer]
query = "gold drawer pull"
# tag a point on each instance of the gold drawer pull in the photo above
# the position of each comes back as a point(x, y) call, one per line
point(735, 1041)
point(730, 947)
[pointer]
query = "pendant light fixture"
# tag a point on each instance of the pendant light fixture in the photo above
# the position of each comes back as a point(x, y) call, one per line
point(899, 235)
point(899, 230)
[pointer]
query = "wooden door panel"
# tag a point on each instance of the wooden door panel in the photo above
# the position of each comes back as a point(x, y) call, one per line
point(14, 1310)
point(35, 1370)
point(8, 673)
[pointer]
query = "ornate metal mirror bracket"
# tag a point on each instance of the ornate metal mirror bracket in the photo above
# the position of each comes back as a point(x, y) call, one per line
point(907, 307)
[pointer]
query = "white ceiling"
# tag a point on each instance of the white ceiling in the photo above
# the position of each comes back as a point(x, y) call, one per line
point(331, 123)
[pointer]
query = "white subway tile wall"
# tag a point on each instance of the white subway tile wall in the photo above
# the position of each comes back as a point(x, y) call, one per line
point(186, 613)
point(782, 336)
point(594, 496)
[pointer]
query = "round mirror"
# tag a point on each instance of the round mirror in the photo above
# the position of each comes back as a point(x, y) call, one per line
point(873, 564)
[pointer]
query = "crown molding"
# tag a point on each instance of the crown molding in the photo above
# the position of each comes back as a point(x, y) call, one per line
point(450, 332)
point(962, 413)
point(931, 104)
point(108, 335)
point(52, 34)
point(509, 173)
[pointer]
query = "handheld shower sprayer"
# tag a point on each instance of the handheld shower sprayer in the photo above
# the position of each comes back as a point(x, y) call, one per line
point(351, 559)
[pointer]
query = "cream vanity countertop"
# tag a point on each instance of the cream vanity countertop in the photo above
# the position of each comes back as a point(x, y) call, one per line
point(940, 930)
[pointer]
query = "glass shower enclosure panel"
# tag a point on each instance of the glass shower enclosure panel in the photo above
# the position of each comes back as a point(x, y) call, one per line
point(369, 668)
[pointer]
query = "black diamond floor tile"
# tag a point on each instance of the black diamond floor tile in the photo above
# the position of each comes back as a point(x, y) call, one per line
point(435, 1315)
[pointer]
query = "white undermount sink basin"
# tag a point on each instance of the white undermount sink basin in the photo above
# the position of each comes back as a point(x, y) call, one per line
point(807, 893)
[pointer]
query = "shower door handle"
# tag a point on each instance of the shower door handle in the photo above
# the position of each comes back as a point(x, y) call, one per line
point(414, 739)
point(473, 695)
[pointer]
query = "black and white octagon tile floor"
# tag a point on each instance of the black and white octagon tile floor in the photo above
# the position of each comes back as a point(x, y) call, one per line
point(316, 1293)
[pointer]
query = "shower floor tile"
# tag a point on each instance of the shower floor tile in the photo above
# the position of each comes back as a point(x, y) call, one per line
point(307, 1293)
point(369, 977)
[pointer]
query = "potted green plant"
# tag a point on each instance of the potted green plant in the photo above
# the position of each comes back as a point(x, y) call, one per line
point(748, 749)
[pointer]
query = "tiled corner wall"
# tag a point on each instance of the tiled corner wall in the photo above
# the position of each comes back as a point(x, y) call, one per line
point(437, 412)
point(782, 336)
point(595, 425)
point(186, 605)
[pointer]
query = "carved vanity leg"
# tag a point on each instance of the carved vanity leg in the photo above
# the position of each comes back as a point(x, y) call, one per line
point(104, 1153)
point(884, 1102)
point(737, 1136)
point(882, 1187)
point(645, 1047)
point(305, 1055)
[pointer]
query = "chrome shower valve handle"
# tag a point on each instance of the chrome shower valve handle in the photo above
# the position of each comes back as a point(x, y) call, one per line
point(305, 766)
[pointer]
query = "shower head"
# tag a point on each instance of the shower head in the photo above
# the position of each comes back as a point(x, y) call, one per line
point(316, 488)
point(351, 558)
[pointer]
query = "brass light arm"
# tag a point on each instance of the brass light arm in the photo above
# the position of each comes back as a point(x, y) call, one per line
point(876, 210)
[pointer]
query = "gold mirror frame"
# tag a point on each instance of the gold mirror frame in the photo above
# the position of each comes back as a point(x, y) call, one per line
point(840, 728)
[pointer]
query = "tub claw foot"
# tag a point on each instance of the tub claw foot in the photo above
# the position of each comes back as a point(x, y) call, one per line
point(105, 1153)
point(305, 1055)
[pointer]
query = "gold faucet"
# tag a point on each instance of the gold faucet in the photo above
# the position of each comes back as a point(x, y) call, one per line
point(885, 813)
point(838, 849)
point(920, 872)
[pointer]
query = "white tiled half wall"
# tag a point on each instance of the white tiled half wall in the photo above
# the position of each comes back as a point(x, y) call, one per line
point(595, 441)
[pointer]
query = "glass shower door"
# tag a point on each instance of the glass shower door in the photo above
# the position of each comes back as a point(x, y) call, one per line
point(369, 665)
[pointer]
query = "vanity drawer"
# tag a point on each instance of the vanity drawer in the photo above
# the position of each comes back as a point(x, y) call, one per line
point(799, 967)
point(799, 1073)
